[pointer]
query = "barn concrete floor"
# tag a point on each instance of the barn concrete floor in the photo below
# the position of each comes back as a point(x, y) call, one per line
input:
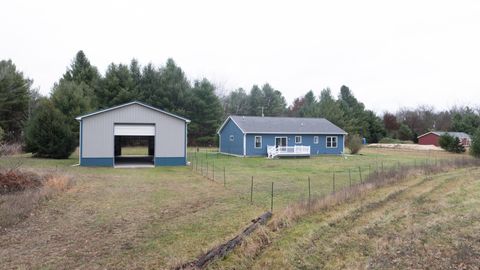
point(134, 162)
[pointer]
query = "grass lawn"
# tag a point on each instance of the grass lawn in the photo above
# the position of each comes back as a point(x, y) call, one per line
point(290, 175)
point(135, 151)
point(424, 223)
point(158, 218)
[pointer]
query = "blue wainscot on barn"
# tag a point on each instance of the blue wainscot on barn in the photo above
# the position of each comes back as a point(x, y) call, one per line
point(280, 136)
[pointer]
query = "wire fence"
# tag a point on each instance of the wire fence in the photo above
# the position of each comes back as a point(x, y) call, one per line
point(267, 183)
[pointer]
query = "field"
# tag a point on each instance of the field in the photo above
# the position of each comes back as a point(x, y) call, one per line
point(159, 218)
point(425, 223)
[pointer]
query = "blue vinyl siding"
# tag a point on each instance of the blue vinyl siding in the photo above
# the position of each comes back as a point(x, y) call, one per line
point(315, 149)
point(232, 147)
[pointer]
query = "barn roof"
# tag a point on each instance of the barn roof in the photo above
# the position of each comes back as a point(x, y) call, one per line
point(460, 135)
point(128, 104)
point(284, 125)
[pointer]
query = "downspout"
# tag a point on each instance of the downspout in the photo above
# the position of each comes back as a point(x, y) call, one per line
point(80, 144)
point(186, 142)
point(244, 144)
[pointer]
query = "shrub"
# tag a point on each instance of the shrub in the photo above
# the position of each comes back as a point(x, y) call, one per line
point(404, 132)
point(23, 191)
point(16, 180)
point(451, 144)
point(475, 146)
point(446, 142)
point(457, 146)
point(355, 144)
point(48, 134)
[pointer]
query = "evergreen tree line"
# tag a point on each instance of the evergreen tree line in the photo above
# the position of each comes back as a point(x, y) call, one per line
point(26, 116)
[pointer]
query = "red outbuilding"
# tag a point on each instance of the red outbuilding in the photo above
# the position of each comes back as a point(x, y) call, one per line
point(432, 137)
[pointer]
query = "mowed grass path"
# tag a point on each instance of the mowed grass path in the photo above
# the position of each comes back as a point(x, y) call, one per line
point(423, 223)
point(158, 218)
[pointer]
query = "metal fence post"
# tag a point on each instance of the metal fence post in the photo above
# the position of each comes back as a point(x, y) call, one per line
point(251, 191)
point(271, 203)
point(309, 194)
point(350, 176)
point(333, 182)
point(360, 173)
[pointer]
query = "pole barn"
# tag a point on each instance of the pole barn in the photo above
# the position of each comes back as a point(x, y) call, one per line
point(133, 135)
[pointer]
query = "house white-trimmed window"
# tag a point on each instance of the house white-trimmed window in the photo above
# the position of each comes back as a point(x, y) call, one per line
point(231, 138)
point(332, 141)
point(258, 141)
point(298, 139)
point(315, 139)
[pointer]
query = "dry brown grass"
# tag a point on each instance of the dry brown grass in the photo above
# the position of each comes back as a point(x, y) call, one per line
point(32, 190)
point(377, 179)
point(10, 149)
point(254, 245)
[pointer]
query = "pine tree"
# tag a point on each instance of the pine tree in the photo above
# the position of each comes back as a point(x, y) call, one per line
point(205, 113)
point(274, 103)
point(328, 108)
point(71, 99)
point(404, 132)
point(14, 100)
point(236, 103)
point(48, 134)
point(81, 71)
point(475, 146)
point(174, 89)
point(255, 101)
point(117, 87)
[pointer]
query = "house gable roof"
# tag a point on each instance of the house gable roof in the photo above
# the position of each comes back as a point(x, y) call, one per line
point(460, 135)
point(283, 125)
point(129, 104)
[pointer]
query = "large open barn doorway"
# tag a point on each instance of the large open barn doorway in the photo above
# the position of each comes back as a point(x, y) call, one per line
point(134, 145)
point(134, 150)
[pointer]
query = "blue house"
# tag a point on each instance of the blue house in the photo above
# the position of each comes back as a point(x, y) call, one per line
point(280, 136)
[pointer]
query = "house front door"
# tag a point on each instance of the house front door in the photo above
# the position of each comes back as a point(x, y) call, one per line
point(280, 141)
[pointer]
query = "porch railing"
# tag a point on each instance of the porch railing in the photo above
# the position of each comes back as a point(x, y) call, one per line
point(274, 151)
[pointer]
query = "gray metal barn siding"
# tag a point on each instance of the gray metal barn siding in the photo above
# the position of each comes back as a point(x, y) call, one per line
point(98, 138)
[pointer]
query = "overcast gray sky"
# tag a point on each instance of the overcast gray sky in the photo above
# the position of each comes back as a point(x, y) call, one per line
point(390, 53)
